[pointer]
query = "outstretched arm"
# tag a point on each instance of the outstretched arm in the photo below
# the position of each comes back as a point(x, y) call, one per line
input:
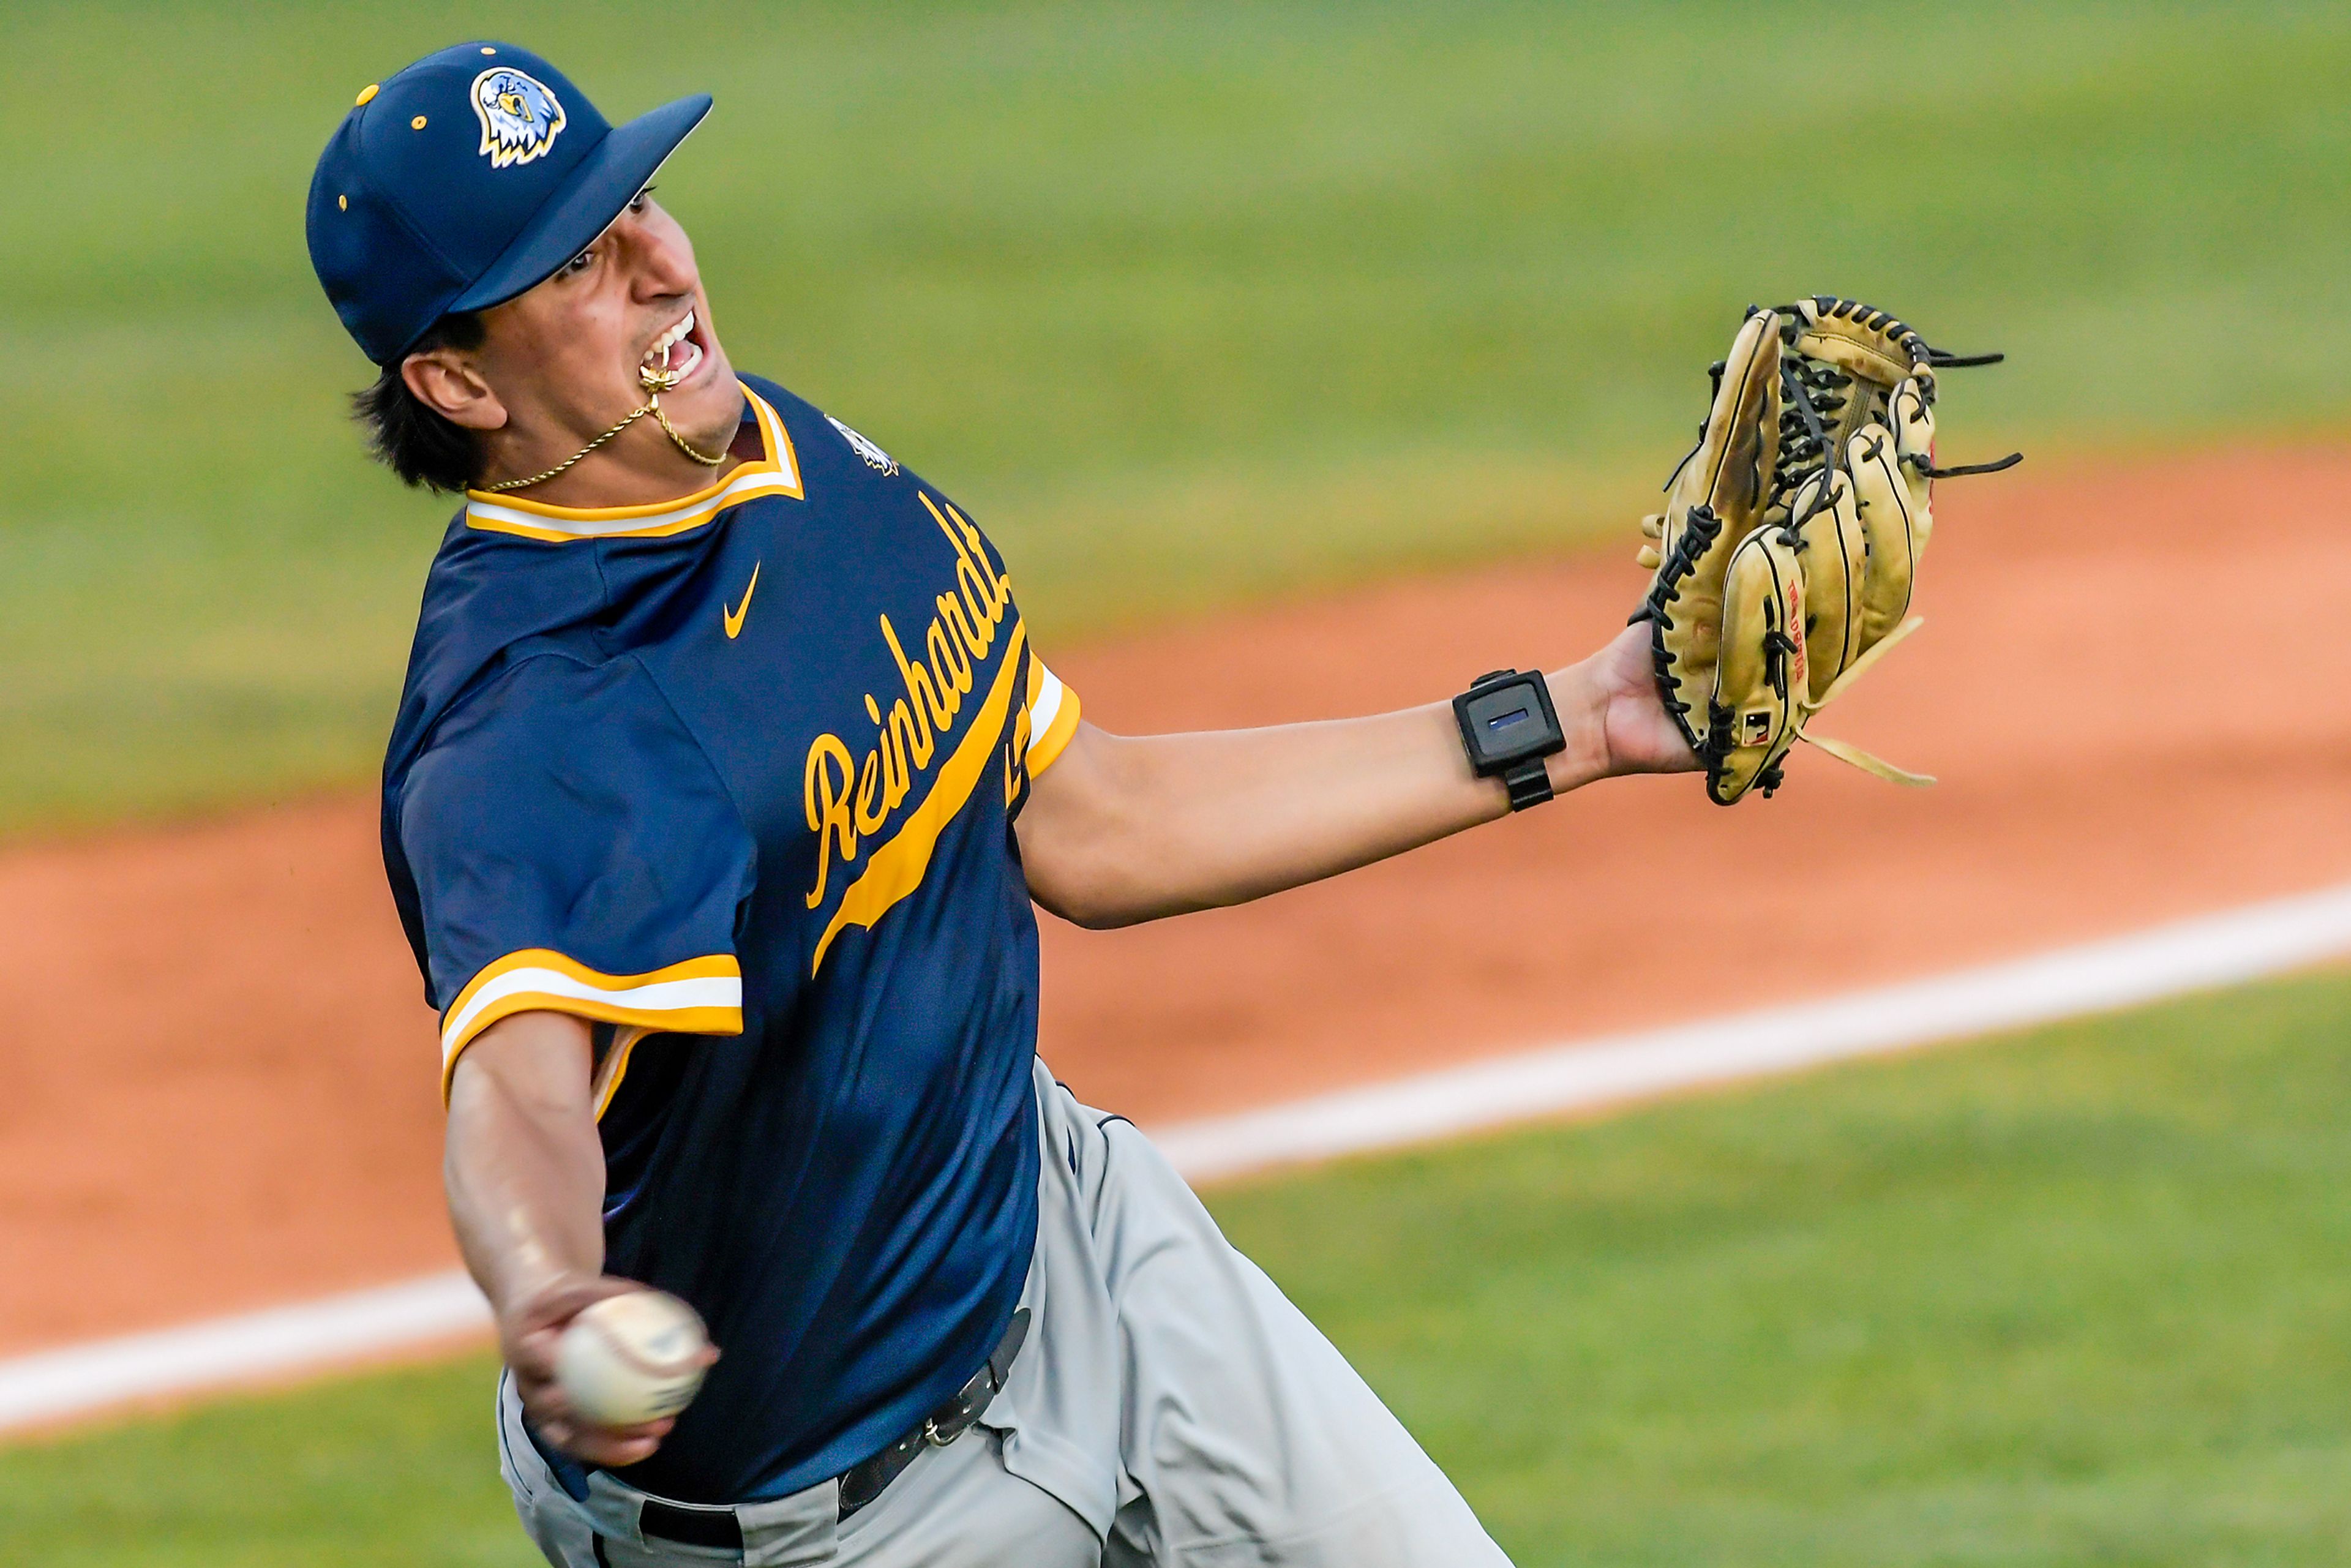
point(524, 1172)
point(1122, 828)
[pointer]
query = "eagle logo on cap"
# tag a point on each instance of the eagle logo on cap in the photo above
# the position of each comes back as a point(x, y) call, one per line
point(520, 119)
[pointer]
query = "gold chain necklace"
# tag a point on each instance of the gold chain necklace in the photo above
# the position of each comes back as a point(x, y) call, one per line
point(655, 384)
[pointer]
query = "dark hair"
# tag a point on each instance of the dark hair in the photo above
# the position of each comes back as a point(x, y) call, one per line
point(409, 438)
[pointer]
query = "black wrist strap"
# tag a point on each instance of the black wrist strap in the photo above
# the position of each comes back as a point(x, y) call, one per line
point(1529, 783)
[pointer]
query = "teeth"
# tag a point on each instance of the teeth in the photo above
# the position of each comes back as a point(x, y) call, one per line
point(659, 353)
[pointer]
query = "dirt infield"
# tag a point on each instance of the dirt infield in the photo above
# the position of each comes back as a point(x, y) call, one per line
point(225, 1096)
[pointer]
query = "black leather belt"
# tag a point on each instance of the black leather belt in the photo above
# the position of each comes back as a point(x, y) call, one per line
point(859, 1484)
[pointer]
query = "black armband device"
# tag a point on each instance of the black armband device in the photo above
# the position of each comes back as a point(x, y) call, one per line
point(1508, 727)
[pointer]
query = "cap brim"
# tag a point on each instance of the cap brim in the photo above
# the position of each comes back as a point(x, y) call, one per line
point(586, 204)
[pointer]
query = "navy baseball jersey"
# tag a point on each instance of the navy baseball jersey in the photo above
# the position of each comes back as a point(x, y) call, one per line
point(734, 779)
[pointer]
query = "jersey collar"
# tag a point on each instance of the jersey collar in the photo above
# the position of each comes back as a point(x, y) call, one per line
point(777, 473)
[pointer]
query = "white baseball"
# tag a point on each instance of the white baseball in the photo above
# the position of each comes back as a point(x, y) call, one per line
point(631, 1358)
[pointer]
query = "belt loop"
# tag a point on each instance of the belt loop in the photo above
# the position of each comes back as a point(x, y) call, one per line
point(688, 1525)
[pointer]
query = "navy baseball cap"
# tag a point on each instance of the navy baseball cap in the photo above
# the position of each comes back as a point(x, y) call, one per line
point(463, 180)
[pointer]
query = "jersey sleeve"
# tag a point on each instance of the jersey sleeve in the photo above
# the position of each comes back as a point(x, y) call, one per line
point(1052, 712)
point(574, 851)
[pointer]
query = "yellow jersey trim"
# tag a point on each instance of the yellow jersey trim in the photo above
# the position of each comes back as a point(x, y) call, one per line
point(616, 1067)
point(896, 869)
point(777, 473)
point(700, 996)
point(1053, 720)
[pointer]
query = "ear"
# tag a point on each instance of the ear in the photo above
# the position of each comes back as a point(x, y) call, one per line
point(443, 381)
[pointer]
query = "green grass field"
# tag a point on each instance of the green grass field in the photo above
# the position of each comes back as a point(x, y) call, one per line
point(2075, 1298)
point(1189, 302)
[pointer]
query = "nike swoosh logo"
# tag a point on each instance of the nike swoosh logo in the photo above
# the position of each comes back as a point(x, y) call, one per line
point(734, 617)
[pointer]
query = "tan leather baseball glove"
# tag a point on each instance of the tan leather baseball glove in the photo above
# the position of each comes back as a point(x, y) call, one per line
point(1786, 559)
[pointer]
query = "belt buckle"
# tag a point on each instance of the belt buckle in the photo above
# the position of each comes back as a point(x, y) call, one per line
point(942, 1428)
point(956, 1418)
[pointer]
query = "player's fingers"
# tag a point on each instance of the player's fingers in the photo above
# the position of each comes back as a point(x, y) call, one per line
point(533, 1325)
point(533, 1368)
point(532, 1353)
point(614, 1447)
point(617, 1455)
point(544, 1407)
point(542, 1400)
point(579, 1430)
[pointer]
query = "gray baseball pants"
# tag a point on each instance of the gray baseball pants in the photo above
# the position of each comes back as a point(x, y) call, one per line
point(1169, 1407)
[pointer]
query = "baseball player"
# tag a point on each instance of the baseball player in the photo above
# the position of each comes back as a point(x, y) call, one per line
point(723, 778)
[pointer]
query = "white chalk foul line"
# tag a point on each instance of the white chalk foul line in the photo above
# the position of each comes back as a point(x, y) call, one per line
point(58, 1383)
point(2191, 956)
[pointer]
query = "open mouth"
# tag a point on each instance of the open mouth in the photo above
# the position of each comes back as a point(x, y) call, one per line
point(674, 356)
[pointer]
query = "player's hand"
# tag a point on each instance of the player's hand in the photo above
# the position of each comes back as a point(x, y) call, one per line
point(527, 1332)
point(1612, 719)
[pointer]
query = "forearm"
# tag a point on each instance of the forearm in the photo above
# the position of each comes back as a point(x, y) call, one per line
point(523, 1165)
point(525, 1170)
point(1159, 825)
